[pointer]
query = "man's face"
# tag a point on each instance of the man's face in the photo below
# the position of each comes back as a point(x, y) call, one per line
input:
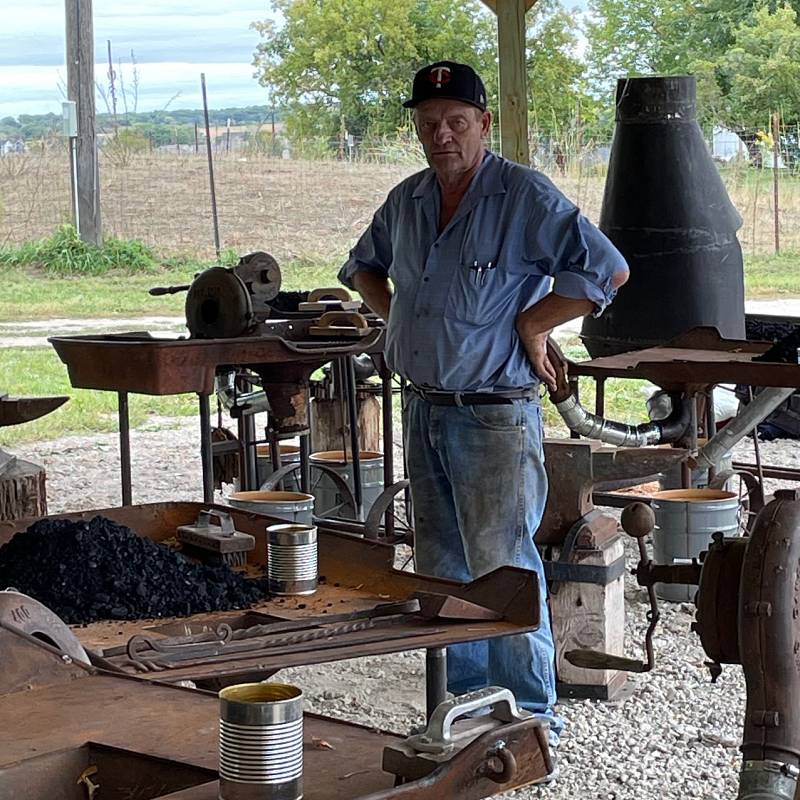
point(451, 133)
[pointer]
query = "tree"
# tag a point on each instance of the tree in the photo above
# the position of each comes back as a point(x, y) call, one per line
point(633, 37)
point(348, 63)
point(557, 95)
point(744, 54)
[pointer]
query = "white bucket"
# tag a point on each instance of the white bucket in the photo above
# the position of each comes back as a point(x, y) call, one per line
point(290, 454)
point(329, 500)
point(685, 521)
point(291, 506)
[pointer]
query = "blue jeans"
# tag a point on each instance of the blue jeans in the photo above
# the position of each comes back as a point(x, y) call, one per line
point(479, 487)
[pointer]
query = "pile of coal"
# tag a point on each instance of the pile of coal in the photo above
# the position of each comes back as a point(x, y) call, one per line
point(88, 571)
point(785, 350)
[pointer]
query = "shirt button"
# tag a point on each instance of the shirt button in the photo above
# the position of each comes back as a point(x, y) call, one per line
point(426, 279)
point(436, 244)
point(416, 352)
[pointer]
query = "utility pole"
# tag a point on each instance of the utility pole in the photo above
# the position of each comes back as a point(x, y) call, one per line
point(80, 89)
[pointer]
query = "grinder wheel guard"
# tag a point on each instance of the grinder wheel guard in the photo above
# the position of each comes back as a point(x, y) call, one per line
point(218, 305)
point(224, 303)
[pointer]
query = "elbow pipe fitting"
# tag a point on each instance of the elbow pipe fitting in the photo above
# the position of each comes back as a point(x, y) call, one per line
point(592, 426)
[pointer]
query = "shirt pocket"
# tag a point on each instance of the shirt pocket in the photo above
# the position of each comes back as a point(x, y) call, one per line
point(486, 286)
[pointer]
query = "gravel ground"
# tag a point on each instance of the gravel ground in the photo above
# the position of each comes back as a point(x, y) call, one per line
point(675, 735)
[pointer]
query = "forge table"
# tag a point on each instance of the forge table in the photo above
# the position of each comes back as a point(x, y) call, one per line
point(145, 730)
point(693, 364)
point(356, 574)
point(139, 363)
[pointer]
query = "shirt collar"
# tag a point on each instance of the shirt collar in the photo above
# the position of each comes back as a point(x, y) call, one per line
point(488, 180)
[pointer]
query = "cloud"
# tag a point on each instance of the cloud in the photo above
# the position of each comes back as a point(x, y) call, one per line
point(173, 42)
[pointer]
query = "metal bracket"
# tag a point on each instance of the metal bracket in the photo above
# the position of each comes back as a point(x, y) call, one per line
point(566, 570)
point(559, 572)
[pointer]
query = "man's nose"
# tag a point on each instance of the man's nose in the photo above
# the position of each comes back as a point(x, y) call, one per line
point(442, 134)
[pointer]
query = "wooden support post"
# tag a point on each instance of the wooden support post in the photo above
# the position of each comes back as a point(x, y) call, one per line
point(80, 89)
point(22, 491)
point(327, 423)
point(588, 616)
point(512, 80)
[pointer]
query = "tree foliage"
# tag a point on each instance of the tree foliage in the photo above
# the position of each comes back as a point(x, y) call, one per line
point(346, 64)
point(744, 53)
point(557, 92)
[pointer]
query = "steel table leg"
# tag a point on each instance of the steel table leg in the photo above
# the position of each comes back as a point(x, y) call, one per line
point(124, 447)
point(388, 443)
point(435, 678)
point(206, 455)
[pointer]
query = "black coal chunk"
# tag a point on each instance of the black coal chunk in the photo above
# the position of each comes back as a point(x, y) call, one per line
point(785, 350)
point(88, 571)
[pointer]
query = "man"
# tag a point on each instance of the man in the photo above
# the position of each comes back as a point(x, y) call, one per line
point(471, 246)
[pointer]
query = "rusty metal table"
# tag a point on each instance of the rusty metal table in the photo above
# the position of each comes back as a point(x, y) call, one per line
point(139, 363)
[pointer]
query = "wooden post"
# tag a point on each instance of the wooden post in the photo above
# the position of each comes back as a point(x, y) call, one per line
point(327, 425)
point(80, 89)
point(513, 80)
point(776, 159)
point(592, 617)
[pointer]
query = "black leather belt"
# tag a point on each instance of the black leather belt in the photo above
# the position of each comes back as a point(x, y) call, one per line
point(439, 398)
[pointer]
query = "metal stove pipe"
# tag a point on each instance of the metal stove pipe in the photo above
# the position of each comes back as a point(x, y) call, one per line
point(592, 426)
point(769, 641)
point(744, 422)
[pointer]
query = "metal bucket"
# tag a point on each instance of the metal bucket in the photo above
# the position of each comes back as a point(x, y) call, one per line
point(329, 501)
point(261, 742)
point(673, 478)
point(291, 506)
point(290, 454)
point(292, 559)
point(685, 522)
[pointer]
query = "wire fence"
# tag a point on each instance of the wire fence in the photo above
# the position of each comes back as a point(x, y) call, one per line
point(310, 200)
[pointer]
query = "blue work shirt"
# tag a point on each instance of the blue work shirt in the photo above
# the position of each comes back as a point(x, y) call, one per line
point(457, 294)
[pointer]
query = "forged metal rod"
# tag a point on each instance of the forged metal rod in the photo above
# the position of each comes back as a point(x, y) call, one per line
point(292, 645)
point(224, 634)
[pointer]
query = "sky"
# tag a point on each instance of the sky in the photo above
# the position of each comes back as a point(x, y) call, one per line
point(173, 42)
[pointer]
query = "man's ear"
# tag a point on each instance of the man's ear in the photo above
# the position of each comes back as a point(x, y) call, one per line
point(486, 123)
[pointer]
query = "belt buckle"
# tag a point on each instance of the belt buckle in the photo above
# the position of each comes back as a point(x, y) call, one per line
point(458, 399)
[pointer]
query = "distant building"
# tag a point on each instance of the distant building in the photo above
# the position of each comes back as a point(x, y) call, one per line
point(8, 147)
point(727, 146)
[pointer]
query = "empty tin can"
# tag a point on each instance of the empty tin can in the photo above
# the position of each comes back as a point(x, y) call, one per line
point(292, 558)
point(261, 742)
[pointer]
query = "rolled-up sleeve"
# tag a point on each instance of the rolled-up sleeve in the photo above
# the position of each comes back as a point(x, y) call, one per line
point(581, 259)
point(373, 251)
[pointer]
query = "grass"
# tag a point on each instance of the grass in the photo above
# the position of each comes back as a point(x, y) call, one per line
point(768, 276)
point(39, 372)
point(307, 214)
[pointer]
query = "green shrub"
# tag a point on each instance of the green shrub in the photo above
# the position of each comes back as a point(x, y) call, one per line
point(64, 253)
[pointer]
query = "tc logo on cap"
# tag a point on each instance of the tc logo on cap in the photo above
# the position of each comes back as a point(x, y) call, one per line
point(439, 75)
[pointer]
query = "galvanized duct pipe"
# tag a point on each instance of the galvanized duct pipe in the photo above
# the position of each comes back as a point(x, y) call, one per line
point(769, 629)
point(592, 426)
point(254, 401)
point(744, 422)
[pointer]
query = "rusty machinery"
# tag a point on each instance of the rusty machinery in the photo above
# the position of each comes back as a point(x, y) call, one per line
point(748, 613)
point(237, 317)
point(96, 718)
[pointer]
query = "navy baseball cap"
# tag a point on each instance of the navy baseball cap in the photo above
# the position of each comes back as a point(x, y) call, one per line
point(449, 80)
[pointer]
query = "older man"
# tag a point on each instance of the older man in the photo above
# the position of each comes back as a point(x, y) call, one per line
point(472, 262)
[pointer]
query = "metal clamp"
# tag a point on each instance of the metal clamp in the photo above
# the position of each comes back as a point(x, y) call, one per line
point(437, 737)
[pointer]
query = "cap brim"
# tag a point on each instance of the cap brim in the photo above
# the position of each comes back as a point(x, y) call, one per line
point(414, 103)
